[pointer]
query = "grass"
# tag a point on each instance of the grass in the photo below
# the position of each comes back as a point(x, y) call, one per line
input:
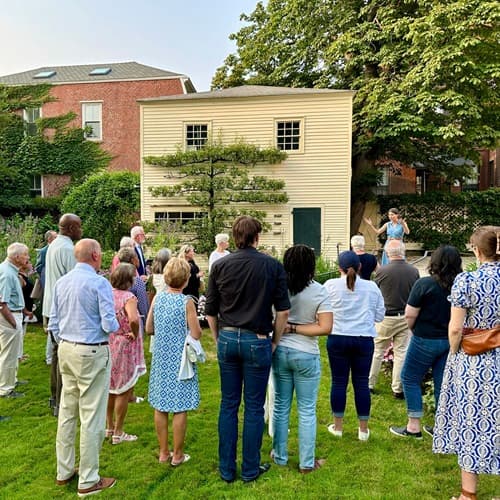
point(386, 467)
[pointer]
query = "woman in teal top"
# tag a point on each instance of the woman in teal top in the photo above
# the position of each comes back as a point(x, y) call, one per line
point(396, 228)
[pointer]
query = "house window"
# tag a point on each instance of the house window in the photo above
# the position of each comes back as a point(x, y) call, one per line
point(36, 185)
point(196, 135)
point(178, 217)
point(288, 135)
point(92, 120)
point(30, 116)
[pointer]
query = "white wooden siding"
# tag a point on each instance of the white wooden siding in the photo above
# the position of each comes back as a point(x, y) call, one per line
point(319, 176)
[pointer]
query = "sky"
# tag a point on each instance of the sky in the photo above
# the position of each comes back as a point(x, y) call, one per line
point(187, 37)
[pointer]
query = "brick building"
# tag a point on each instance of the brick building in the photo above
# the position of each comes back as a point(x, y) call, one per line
point(104, 99)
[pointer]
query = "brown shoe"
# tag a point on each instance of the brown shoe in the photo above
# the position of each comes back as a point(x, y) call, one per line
point(317, 465)
point(64, 482)
point(104, 483)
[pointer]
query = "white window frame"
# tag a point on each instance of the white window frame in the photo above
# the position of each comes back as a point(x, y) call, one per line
point(29, 121)
point(177, 216)
point(300, 145)
point(195, 147)
point(36, 188)
point(97, 119)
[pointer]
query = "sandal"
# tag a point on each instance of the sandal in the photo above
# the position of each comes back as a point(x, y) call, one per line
point(165, 460)
point(123, 437)
point(184, 459)
point(109, 433)
point(465, 494)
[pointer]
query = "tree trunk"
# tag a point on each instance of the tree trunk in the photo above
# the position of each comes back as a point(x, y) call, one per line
point(364, 179)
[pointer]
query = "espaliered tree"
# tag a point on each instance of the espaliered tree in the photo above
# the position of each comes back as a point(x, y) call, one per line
point(426, 74)
point(219, 182)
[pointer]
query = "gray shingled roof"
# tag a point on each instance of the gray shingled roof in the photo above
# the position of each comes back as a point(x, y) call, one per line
point(245, 91)
point(73, 74)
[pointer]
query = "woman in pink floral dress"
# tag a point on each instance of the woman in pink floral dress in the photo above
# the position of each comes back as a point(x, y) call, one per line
point(127, 354)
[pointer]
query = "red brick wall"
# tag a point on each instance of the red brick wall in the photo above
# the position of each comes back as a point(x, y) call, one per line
point(120, 113)
point(53, 184)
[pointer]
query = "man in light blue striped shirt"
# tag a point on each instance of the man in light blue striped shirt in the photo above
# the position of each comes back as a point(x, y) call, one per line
point(83, 316)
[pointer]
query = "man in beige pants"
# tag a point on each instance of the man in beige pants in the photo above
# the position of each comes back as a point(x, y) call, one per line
point(395, 281)
point(82, 316)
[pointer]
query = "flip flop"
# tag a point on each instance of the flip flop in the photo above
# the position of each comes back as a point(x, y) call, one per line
point(185, 459)
point(165, 460)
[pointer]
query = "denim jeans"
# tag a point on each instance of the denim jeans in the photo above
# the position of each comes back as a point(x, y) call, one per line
point(244, 363)
point(294, 369)
point(423, 354)
point(350, 354)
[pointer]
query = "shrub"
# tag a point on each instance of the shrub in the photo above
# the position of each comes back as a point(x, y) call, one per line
point(444, 218)
point(108, 205)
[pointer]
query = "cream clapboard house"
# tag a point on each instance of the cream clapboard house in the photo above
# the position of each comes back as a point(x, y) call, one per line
point(313, 126)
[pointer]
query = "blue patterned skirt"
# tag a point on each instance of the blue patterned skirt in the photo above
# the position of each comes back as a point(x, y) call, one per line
point(468, 414)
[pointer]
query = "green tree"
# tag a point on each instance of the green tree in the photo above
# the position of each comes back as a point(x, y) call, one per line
point(426, 74)
point(108, 204)
point(215, 180)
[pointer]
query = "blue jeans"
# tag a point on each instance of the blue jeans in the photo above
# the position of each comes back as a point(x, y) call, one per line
point(423, 354)
point(244, 363)
point(350, 354)
point(294, 369)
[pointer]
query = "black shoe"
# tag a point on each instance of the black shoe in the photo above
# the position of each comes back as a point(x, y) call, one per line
point(372, 391)
point(429, 430)
point(404, 432)
point(3, 418)
point(263, 468)
point(21, 382)
point(13, 394)
point(398, 395)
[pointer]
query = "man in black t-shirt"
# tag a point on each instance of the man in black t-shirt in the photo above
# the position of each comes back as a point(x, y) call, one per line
point(242, 290)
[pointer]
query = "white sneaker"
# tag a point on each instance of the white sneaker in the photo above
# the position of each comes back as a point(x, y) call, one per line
point(363, 436)
point(331, 430)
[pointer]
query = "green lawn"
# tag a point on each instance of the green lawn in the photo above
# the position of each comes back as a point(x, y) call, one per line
point(385, 467)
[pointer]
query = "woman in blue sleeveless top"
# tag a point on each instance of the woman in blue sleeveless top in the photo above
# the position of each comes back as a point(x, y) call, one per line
point(396, 228)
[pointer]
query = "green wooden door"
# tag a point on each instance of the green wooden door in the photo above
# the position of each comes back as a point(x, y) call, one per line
point(307, 228)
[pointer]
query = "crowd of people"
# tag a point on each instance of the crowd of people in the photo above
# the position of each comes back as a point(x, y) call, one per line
point(266, 318)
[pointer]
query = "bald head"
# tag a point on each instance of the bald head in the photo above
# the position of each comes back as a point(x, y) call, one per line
point(88, 251)
point(395, 250)
point(70, 225)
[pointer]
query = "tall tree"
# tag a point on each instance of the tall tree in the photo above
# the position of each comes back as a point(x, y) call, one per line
point(215, 180)
point(425, 71)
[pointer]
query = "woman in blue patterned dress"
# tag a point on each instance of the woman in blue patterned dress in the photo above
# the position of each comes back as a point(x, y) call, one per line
point(171, 315)
point(468, 412)
point(396, 228)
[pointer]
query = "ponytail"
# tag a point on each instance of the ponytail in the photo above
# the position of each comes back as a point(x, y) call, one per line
point(351, 278)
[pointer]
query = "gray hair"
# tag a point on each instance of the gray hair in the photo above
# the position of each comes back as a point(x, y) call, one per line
point(126, 241)
point(15, 249)
point(50, 234)
point(135, 231)
point(358, 242)
point(221, 237)
point(160, 261)
point(395, 248)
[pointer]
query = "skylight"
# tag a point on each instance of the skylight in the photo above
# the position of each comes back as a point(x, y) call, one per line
point(45, 74)
point(100, 71)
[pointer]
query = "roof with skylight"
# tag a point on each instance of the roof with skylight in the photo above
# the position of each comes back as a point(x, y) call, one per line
point(45, 74)
point(100, 71)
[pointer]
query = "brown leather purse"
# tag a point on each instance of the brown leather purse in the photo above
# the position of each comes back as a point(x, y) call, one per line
point(476, 341)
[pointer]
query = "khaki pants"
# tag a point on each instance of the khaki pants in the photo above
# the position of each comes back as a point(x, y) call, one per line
point(392, 328)
point(10, 342)
point(85, 372)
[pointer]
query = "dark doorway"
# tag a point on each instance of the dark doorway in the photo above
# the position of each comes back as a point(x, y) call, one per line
point(307, 228)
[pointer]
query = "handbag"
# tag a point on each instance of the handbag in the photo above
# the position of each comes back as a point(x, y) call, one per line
point(37, 291)
point(476, 341)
